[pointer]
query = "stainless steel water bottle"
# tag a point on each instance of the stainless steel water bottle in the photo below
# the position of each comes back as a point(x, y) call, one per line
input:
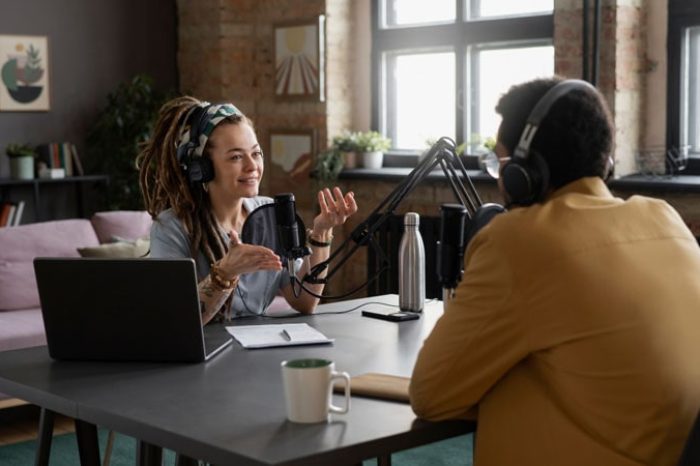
point(411, 266)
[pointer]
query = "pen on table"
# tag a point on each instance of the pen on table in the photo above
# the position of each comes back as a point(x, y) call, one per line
point(286, 335)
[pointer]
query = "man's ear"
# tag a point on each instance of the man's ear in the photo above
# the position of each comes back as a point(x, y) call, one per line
point(609, 168)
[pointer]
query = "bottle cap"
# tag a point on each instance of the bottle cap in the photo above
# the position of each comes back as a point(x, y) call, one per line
point(411, 219)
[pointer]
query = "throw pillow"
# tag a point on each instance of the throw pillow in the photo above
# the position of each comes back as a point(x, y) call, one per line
point(119, 249)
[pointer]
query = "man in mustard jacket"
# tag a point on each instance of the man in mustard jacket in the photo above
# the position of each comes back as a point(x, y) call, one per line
point(574, 335)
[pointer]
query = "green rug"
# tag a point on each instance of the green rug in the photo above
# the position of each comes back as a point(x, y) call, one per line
point(64, 452)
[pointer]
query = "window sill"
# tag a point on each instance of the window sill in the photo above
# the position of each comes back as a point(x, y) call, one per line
point(400, 173)
point(682, 183)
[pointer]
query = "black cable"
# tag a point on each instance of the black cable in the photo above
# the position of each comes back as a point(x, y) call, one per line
point(346, 311)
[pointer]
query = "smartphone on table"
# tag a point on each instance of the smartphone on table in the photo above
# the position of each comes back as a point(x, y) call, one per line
point(393, 315)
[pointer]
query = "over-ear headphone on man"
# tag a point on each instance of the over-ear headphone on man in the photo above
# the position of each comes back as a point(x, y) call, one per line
point(198, 169)
point(525, 177)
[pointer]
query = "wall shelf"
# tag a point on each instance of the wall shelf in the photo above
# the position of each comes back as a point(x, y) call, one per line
point(36, 185)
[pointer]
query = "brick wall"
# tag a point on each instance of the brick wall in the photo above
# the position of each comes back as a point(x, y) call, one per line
point(226, 53)
point(623, 66)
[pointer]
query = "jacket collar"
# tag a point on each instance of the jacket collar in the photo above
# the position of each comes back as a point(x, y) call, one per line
point(592, 186)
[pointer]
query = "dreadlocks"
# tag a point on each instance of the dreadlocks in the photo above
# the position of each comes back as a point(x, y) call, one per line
point(165, 186)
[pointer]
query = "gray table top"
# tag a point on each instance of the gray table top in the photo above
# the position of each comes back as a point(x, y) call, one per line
point(230, 410)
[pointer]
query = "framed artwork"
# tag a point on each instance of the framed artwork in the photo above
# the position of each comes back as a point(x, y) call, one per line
point(299, 60)
point(24, 72)
point(293, 150)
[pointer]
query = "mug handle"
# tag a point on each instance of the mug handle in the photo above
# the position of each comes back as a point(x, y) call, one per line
point(340, 376)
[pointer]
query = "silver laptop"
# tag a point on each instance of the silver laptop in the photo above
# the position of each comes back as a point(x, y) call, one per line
point(124, 310)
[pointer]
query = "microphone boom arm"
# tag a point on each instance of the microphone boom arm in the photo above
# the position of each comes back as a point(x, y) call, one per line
point(442, 153)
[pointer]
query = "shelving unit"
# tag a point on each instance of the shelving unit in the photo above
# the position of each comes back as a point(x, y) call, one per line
point(7, 185)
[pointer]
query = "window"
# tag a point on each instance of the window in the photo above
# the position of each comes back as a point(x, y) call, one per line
point(439, 67)
point(408, 12)
point(683, 98)
point(416, 115)
point(690, 97)
point(494, 8)
point(490, 81)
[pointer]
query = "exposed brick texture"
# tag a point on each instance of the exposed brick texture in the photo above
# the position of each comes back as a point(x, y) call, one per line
point(622, 66)
point(226, 53)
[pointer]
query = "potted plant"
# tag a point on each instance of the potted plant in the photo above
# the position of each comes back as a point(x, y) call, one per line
point(114, 140)
point(371, 145)
point(328, 165)
point(21, 161)
point(346, 145)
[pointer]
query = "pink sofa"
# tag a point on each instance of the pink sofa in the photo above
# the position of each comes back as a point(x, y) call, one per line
point(21, 324)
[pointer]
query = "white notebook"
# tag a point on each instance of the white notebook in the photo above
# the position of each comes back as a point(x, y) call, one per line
point(266, 336)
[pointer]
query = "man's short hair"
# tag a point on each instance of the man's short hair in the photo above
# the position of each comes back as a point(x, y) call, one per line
point(575, 138)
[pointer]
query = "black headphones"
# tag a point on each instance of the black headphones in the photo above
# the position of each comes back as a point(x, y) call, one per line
point(525, 177)
point(197, 169)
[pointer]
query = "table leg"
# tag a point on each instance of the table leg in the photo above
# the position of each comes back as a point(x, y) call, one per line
point(384, 460)
point(43, 448)
point(148, 454)
point(108, 449)
point(182, 460)
point(88, 445)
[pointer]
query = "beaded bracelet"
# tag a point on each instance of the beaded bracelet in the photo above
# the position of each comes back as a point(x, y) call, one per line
point(219, 281)
point(314, 242)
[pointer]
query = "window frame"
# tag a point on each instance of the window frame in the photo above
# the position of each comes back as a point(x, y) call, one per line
point(459, 35)
point(681, 14)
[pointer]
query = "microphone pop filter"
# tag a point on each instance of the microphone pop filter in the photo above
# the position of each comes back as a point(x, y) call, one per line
point(261, 228)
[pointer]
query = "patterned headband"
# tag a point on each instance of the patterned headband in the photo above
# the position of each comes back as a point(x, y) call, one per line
point(214, 114)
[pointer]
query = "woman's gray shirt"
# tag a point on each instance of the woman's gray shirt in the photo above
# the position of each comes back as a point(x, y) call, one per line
point(255, 290)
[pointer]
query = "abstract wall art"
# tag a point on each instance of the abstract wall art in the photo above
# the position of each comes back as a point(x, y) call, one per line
point(24, 73)
point(299, 60)
point(293, 151)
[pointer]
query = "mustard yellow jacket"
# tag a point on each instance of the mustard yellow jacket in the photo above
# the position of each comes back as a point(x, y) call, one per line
point(574, 337)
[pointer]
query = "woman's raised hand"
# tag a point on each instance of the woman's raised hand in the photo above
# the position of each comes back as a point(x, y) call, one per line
point(245, 258)
point(335, 209)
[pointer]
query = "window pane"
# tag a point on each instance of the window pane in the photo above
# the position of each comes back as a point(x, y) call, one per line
point(690, 92)
point(487, 8)
point(403, 12)
point(495, 71)
point(423, 103)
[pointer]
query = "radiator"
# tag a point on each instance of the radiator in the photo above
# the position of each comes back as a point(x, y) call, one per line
point(389, 237)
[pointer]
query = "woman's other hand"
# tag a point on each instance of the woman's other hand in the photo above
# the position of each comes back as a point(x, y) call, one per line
point(335, 209)
point(245, 258)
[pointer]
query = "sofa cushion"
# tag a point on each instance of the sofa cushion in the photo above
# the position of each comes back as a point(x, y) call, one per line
point(17, 285)
point(21, 329)
point(125, 224)
point(20, 245)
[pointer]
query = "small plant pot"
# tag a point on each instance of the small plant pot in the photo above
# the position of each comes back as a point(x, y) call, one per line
point(22, 168)
point(350, 159)
point(372, 159)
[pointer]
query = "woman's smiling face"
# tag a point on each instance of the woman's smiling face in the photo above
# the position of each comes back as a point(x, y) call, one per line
point(238, 161)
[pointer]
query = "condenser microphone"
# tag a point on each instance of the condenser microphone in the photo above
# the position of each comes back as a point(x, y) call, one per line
point(288, 233)
point(450, 247)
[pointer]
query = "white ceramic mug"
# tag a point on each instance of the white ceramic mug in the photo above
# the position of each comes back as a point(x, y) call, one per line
point(308, 385)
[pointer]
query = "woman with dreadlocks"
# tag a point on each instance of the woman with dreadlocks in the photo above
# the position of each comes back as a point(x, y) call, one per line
point(199, 176)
